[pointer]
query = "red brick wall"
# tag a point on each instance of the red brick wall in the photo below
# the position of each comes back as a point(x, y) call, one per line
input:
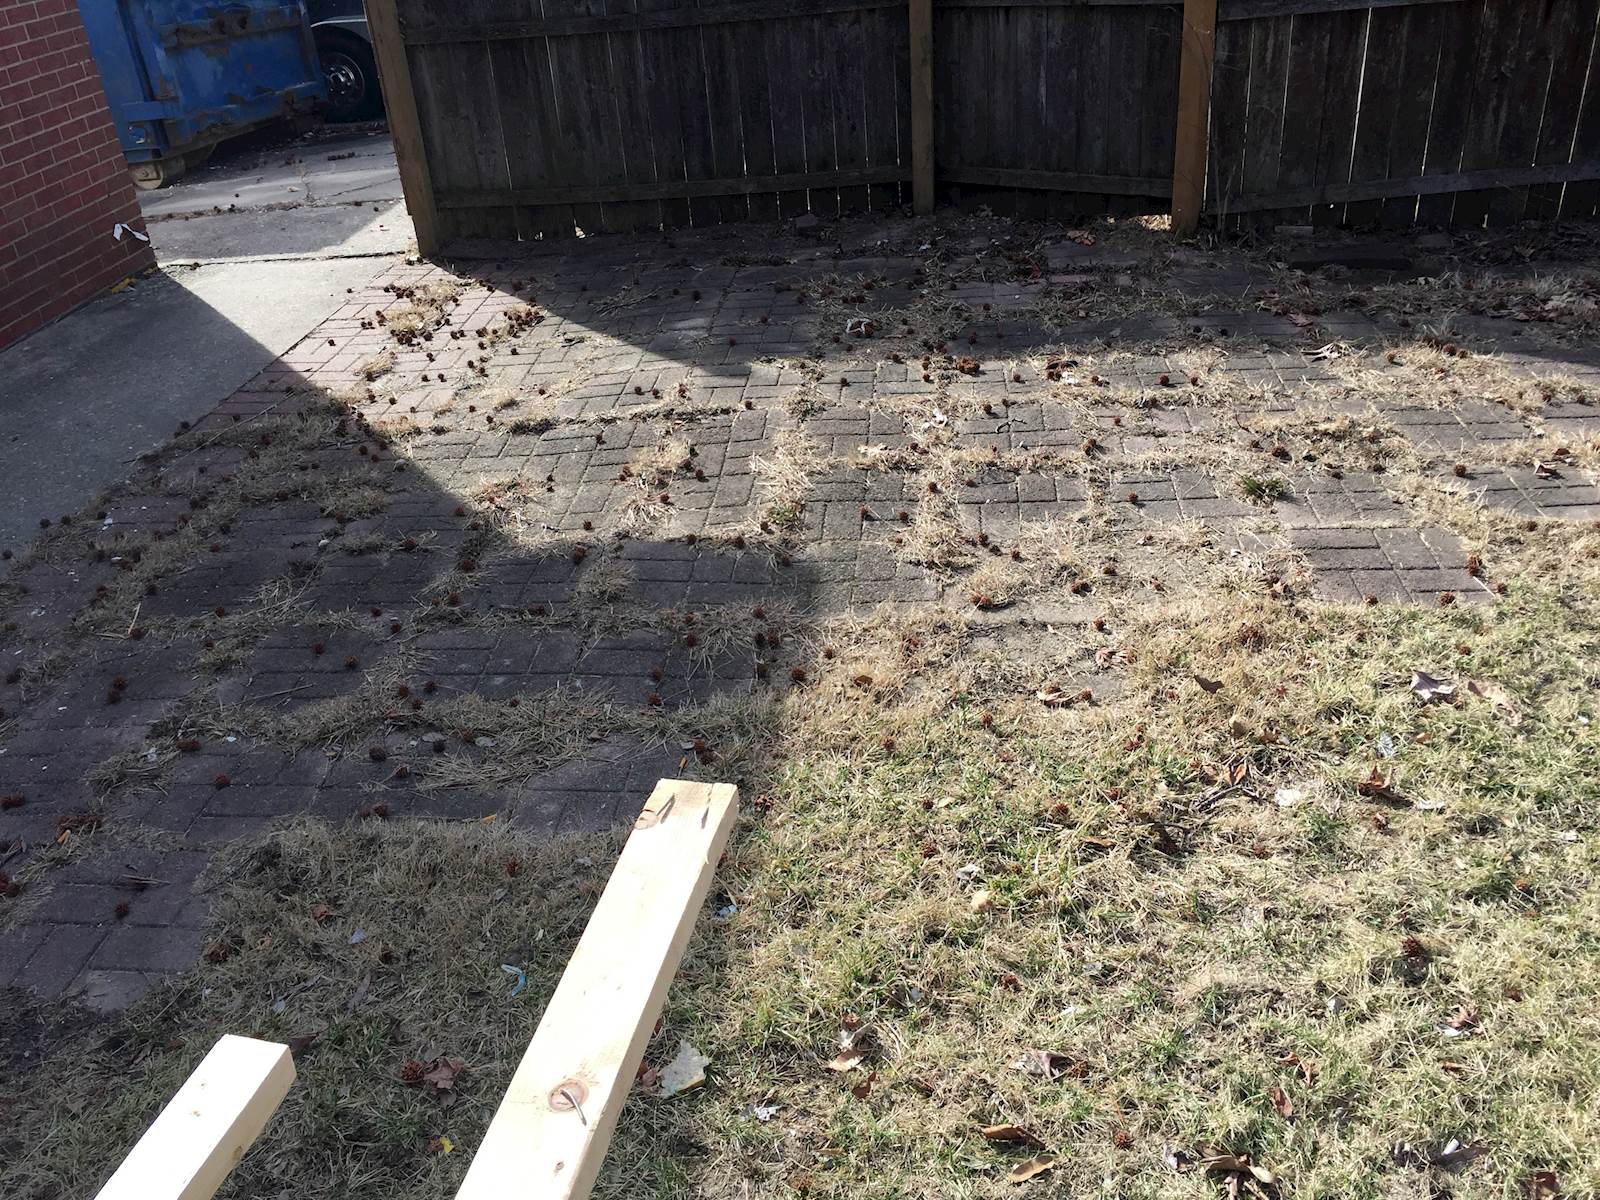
point(63, 180)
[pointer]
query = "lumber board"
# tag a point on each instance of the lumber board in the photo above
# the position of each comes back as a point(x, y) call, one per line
point(405, 127)
point(1194, 111)
point(550, 1133)
point(208, 1124)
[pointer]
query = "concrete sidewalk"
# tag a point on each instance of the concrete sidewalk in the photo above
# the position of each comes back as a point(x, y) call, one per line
point(330, 194)
point(254, 252)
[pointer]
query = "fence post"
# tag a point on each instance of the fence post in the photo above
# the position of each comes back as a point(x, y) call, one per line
point(405, 127)
point(1194, 109)
point(921, 18)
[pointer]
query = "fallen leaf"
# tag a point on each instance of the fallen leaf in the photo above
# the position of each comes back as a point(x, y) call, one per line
point(1238, 772)
point(321, 914)
point(1464, 1018)
point(1037, 1165)
point(1455, 1153)
point(1012, 1133)
point(1223, 1164)
point(685, 1072)
point(441, 1074)
point(982, 900)
point(1208, 685)
point(852, 1048)
point(1497, 696)
point(1378, 785)
point(1049, 1064)
point(1543, 1185)
point(1307, 1069)
point(864, 1089)
point(1301, 321)
point(1054, 697)
point(1281, 1103)
point(1545, 471)
point(440, 1145)
point(1428, 689)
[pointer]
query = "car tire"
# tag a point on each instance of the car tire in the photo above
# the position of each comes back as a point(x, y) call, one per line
point(351, 74)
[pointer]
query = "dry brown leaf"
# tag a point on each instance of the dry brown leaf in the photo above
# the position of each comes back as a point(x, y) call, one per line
point(852, 1046)
point(1281, 1103)
point(864, 1089)
point(1544, 1185)
point(1050, 1064)
point(1223, 1164)
point(1012, 1133)
point(1307, 1069)
point(1036, 1165)
point(1497, 696)
point(1378, 785)
point(1211, 686)
point(441, 1073)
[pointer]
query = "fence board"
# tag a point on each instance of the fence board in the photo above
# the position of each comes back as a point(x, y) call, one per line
point(1579, 199)
point(1572, 36)
point(1393, 134)
point(1452, 98)
point(1226, 144)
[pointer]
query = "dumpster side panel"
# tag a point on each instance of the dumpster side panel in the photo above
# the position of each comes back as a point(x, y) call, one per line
point(184, 74)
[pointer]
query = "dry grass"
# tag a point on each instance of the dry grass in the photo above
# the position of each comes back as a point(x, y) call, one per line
point(1123, 810)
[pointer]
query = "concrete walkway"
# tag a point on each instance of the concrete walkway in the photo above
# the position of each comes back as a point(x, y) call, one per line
point(254, 251)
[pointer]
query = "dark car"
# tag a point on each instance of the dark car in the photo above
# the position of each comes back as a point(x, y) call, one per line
point(345, 46)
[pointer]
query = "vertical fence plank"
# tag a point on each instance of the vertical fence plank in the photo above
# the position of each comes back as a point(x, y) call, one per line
point(749, 48)
point(1196, 57)
point(1392, 146)
point(1269, 73)
point(1452, 103)
point(1579, 199)
point(1525, 65)
point(920, 15)
point(1030, 121)
point(1094, 98)
point(1227, 144)
point(1158, 136)
point(724, 123)
point(405, 128)
point(1573, 39)
point(631, 100)
point(1338, 98)
point(786, 67)
point(522, 84)
point(1058, 61)
point(821, 151)
point(850, 112)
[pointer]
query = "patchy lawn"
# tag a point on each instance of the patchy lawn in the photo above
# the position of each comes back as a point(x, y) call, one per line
point(1186, 845)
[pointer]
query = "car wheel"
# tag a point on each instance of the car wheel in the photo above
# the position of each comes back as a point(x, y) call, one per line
point(352, 77)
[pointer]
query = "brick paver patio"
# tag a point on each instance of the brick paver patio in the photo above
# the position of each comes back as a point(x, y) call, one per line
point(576, 483)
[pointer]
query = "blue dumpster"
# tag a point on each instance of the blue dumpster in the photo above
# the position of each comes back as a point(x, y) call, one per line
point(182, 75)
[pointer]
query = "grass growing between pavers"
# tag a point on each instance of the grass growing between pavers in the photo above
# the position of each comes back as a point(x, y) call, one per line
point(1263, 900)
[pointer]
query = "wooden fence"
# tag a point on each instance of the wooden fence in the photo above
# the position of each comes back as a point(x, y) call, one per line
point(539, 118)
